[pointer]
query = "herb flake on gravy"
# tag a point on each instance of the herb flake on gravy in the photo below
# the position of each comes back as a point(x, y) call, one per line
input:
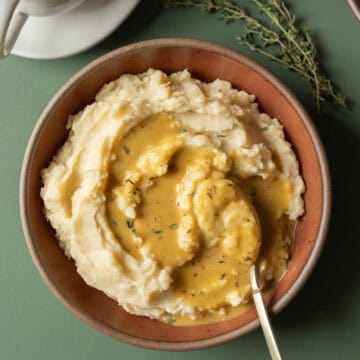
point(168, 189)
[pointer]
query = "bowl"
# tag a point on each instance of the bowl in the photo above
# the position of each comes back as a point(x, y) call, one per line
point(206, 61)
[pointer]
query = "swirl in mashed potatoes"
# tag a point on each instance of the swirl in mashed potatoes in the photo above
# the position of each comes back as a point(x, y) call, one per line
point(168, 189)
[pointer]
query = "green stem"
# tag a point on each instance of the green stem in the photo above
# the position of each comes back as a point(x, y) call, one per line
point(309, 60)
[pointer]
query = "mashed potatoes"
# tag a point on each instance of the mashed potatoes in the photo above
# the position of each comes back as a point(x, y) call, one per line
point(168, 190)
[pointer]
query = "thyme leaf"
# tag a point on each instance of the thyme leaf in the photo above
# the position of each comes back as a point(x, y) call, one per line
point(134, 232)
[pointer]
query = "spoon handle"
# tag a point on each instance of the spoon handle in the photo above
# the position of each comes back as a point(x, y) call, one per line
point(264, 317)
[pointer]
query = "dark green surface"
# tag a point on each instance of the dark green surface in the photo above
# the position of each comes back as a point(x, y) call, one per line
point(323, 322)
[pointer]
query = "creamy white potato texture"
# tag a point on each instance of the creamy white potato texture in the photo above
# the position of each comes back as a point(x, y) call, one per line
point(168, 189)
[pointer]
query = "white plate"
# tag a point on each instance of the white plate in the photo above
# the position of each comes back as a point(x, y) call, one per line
point(72, 32)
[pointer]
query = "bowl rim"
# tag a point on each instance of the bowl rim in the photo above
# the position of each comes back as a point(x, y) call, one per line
point(290, 97)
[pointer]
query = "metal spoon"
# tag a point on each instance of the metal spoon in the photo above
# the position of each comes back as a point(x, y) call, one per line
point(264, 317)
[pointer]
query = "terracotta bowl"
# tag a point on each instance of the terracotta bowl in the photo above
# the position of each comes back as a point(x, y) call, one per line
point(207, 62)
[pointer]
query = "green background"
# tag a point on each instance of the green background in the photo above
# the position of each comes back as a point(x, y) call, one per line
point(323, 322)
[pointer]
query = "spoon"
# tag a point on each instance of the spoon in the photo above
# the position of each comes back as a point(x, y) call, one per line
point(264, 317)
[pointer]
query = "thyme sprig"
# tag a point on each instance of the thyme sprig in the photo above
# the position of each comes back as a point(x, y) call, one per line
point(279, 39)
